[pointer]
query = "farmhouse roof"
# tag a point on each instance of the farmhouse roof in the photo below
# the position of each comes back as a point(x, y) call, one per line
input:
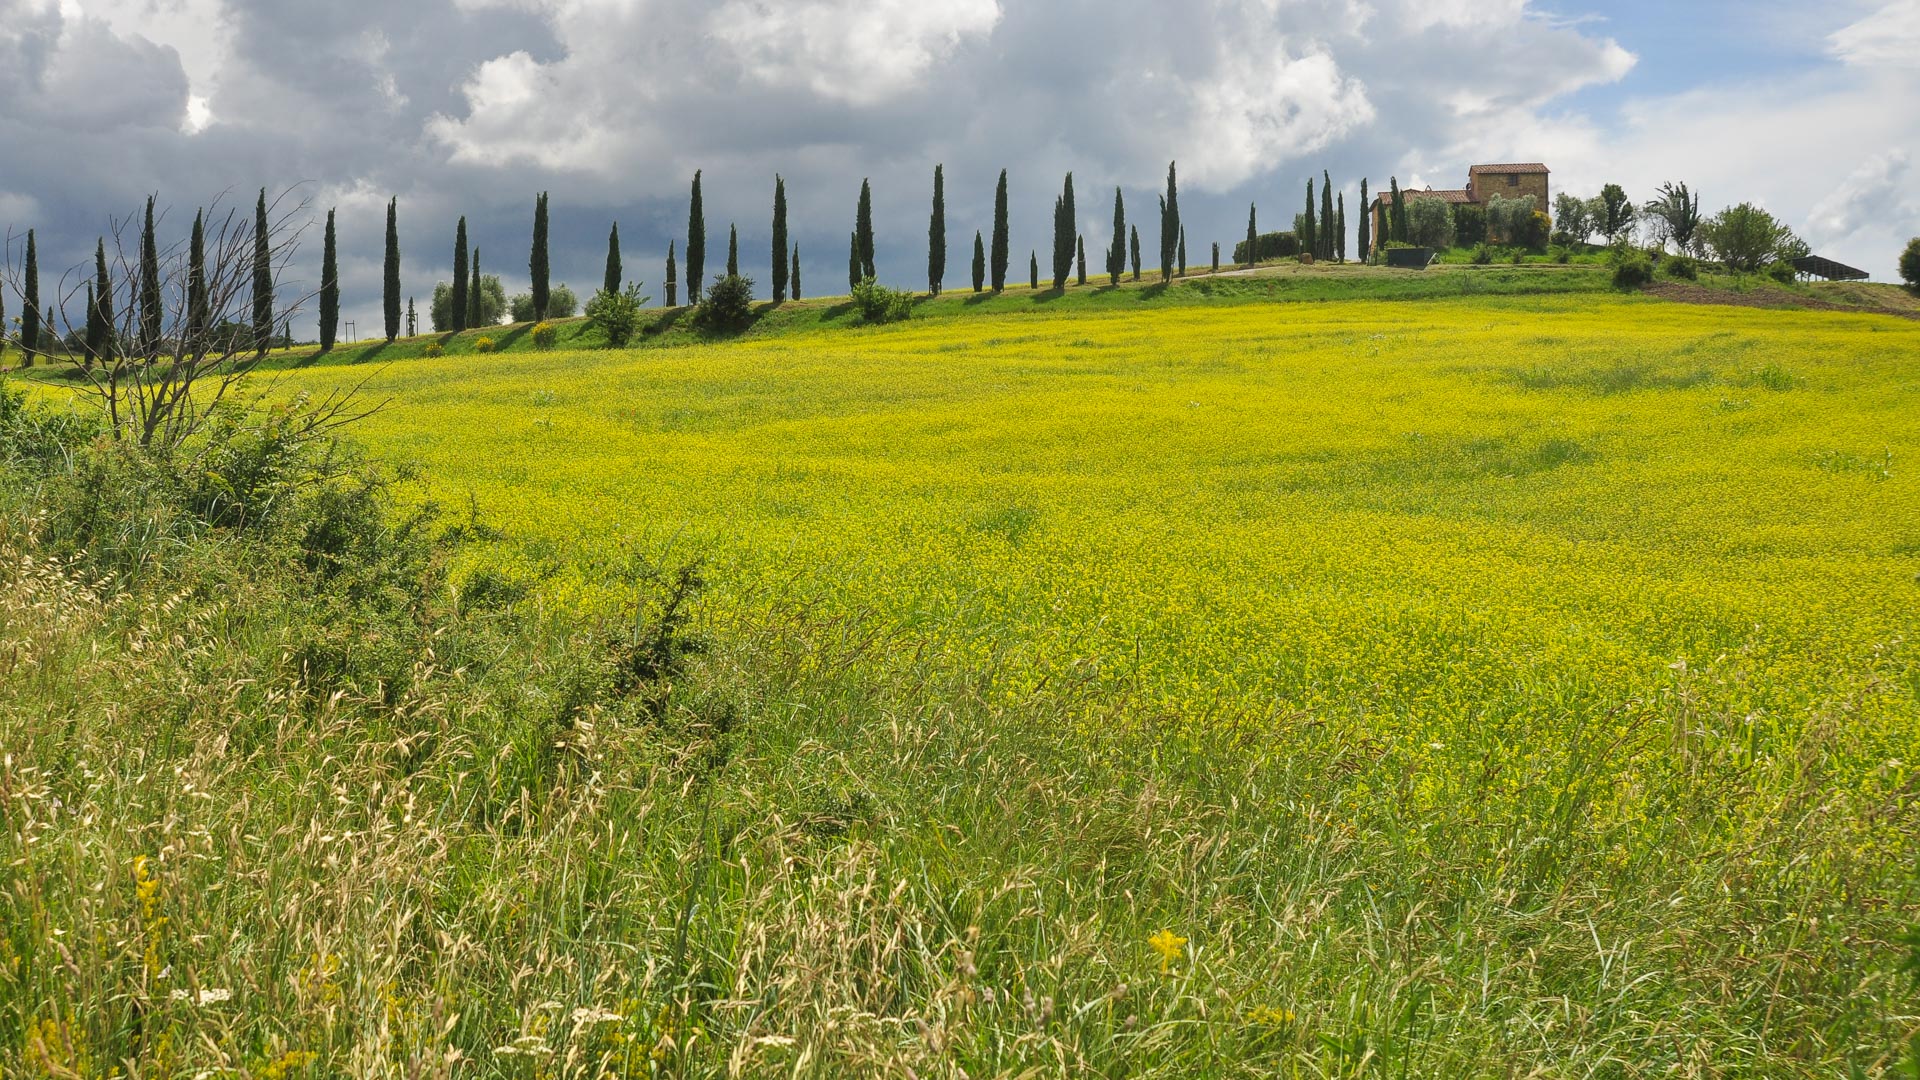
point(1521, 167)
point(1451, 195)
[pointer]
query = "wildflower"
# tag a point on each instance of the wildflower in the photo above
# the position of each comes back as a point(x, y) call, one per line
point(1265, 1014)
point(1169, 945)
point(204, 997)
point(596, 1015)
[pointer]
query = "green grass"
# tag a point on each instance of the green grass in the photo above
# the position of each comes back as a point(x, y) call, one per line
point(1498, 685)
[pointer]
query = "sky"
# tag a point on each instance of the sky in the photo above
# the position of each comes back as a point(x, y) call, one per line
point(471, 107)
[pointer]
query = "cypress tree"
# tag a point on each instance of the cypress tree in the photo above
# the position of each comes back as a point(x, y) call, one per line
point(611, 282)
point(262, 278)
point(733, 251)
point(673, 284)
point(1170, 225)
point(103, 303)
point(1253, 238)
point(474, 293)
point(329, 287)
point(937, 233)
point(779, 250)
point(1033, 270)
point(1309, 231)
point(198, 313)
point(150, 310)
point(1340, 227)
point(1397, 224)
point(863, 230)
point(93, 328)
point(1366, 221)
point(795, 280)
point(1117, 254)
point(979, 262)
point(1134, 232)
point(1328, 229)
point(1000, 234)
point(457, 311)
point(1064, 234)
point(391, 286)
point(1216, 256)
point(413, 319)
point(696, 242)
point(537, 264)
point(1080, 258)
point(853, 261)
point(30, 296)
point(1183, 251)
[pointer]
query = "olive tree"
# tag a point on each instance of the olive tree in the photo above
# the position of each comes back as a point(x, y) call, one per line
point(1430, 223)
point(1747, 238)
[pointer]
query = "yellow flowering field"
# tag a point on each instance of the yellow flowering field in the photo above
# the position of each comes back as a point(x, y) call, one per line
point(1489, 686)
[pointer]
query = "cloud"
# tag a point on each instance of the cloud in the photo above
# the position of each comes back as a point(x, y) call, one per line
point(847, 50)
point(1889, 36)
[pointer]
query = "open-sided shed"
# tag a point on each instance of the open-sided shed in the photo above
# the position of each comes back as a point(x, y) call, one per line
point(1828, 269)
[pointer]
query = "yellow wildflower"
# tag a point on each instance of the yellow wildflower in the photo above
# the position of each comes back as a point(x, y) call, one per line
point(1169, 945)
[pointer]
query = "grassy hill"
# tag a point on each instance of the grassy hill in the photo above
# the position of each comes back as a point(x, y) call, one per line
point(1515, 678)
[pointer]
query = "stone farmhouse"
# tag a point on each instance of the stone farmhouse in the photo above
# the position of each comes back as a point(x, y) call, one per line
point(1483, 183)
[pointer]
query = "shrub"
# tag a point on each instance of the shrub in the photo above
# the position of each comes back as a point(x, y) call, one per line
point(879, 304)
point(1681, 266)
point(1632, 273)
point(436, 349)
point(1783, 272)
point(1430, 223)
point(1563, 256)
point(1273, 245)
point(561, 304)
point(1482, 255)
point(484, 345)
point(544, 335)
point(1518, 255)
point(728, 304)
point(1747, 238)
point(616, 314)
point(1910, 266)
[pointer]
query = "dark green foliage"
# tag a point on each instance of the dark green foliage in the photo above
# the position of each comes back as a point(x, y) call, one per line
point(199, 315)
point(696, 243)
point(1364, 244)
point(1683, 267)
point(727, 306)
point(979, 262)
point(1397, 216)
point(490, 293)
point(1117, 253)
point(1001, 239)
point(611, 281)
point(733, 251)
point(779, 246)
point(616, 314)
point(672, 279)
point(476, 315)
point(1678, 212)
point(461, 257)
point(854, 275)
point(390, 290)
point(794, 281)
point(1310, 225)
point(1340, 227)
point(1910, 266)
point(1324, 252)
point(1633, 273)
point(413, 319)
point(1251, 248)
point(1782, 271)
point(1182, 254)
point(1133, 246)
point(1216, 256)
point(1170, 223)
point(150, 311)
point(1275, 245)
point(561, 304)
point(1080, 258)
point(537, 262)
point(1616, 212)
point(863, 229)
point(1469, 225)
point(30, 296)
point(937, 233)
point(329, 287)
point(879, 304)
point(262, 277)
point(1033, 270)
point(100, 316)
point(1063, 234)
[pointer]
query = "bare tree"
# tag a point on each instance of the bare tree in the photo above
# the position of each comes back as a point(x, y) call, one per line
point(161, 395)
